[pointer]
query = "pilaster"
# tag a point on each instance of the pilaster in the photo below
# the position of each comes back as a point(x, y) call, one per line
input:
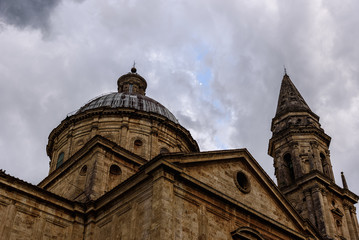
point(348, 219)
point(309, 201)
point(9, 215)
point(124, 131)
point(318, 207)
point(162, 205)
point(202, 223)
point(327, 218)
point(296, 160)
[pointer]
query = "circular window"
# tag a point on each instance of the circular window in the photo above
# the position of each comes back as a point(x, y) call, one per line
point(138, 143)
point(115, 170)
point(242, 182)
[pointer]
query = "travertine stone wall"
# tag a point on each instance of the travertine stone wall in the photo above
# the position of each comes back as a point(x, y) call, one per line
point(145, 136)
point(173, 208)
point(223, 176)
point(79, 185)
point(305, 151)
point(29, 213)
point(160, 202)
point(327, 210)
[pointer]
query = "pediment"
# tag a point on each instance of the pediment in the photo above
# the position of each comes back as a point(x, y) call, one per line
point(96, 144)
point(237, 176)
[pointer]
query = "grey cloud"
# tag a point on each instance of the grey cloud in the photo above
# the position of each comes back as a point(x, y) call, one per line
point(28, 13)
point(243, 44)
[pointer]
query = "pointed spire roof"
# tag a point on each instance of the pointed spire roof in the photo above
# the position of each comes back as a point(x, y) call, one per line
point(290, 100)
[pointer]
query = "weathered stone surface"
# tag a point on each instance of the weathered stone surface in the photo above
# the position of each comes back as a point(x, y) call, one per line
point(133, 174)
point(303, 168)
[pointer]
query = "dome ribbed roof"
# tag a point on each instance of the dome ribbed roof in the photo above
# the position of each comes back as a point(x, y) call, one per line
point(128, 100)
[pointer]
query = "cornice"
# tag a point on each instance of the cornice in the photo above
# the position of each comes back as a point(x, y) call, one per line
point(316, 178)
point(295, 131)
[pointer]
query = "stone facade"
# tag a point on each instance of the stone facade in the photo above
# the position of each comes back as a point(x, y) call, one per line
point(303, 168)
point(123, 168)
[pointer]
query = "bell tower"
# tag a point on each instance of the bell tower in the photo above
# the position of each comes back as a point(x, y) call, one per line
point(300, 149)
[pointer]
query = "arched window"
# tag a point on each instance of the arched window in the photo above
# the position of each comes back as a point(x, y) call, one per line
point(114, 176)
point(139, 147)
point(60, 159)
point(115, 170)
point(289, 164)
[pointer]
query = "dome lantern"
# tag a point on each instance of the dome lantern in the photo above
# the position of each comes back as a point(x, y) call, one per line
point(131, 83)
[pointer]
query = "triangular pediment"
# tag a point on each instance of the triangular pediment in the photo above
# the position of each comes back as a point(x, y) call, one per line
point(96, 144)
point(235, 175)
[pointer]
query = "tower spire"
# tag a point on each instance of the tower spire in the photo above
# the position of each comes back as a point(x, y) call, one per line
point(290, 100)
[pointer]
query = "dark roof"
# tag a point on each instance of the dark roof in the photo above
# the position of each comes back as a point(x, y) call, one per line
point(128, 100)
point(290, 100)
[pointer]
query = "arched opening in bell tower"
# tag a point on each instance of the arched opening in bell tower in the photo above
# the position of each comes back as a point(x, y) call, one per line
point(289, 165)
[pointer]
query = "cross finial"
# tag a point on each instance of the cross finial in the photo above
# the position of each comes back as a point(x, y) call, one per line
point(285, 70)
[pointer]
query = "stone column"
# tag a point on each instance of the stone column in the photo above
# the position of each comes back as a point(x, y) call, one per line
point(162, 205)
point(349, 220)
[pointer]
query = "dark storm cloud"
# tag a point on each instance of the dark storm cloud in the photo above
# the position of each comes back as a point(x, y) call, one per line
point(27, 13)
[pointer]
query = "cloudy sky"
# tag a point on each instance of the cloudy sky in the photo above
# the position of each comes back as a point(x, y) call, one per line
point(217, 65)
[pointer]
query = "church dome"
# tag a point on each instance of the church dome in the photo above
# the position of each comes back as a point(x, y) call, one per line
point(127, 118)
point(128, 100)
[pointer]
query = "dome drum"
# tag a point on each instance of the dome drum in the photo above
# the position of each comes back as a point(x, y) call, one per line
point(122, 126)
point(128, 118)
